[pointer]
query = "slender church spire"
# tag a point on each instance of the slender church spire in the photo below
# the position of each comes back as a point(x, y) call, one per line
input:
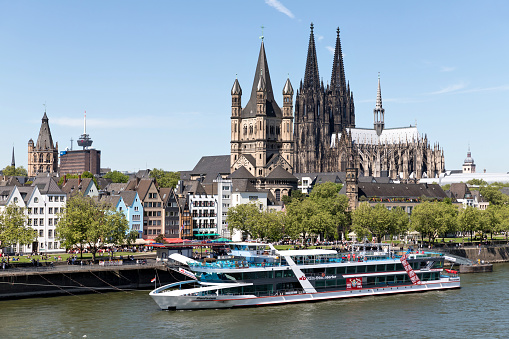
point(338, 71)
point(262, 74)
point(379, 111)
point(13, 162)
point(311, 77)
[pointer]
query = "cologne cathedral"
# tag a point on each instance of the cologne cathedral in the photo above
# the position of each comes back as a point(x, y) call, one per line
point(326, 139)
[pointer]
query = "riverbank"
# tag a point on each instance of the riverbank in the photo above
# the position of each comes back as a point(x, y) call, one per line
point(71, 280)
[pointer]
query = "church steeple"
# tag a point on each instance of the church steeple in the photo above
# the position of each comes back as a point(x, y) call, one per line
point(13, 162)
point(379, 112)
point(262, 71)
point(338, 71)
point(311, 76)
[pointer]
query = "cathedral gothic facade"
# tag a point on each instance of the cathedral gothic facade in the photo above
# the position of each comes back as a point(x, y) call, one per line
point(322, 137)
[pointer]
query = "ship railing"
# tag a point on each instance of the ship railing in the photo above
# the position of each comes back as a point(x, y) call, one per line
point(236, 264)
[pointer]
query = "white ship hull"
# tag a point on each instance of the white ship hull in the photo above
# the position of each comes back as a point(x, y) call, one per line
point(172, 301)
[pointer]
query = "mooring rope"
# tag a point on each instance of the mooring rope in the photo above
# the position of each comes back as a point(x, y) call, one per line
point(58, 286)
point(77, 282)
point(115, 287)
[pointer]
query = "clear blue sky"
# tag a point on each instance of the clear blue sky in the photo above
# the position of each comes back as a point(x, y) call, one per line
point(155, 76)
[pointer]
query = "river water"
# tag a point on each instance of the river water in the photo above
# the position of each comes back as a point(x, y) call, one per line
point(480, 309)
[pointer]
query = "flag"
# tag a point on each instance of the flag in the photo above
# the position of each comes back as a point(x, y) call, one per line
point(187, 273)
point(153, 279)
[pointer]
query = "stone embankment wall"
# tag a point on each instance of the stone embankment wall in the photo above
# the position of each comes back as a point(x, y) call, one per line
point(491, 254)
point(24, 283)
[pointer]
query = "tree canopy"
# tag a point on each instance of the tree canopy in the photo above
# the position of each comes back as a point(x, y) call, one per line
point(116, 177)
point(84, 222)
point(12, 171)
point(13, 227)
point(165, 178)
point(434, 219)
point(243, 218)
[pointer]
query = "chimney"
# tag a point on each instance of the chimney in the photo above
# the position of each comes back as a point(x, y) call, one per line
point(79, 179)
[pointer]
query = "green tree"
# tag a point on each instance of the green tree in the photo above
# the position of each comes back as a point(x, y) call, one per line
point(116, 177)
point(377, 221)
point(12, 171)
point(400, 222)
point(362, 219)
point(502, 213)
point(83, 222)
point(13, 228)
point(165, 178)
point(477, 182)
point(294, 194)
point(469, 220)
point(334, 218)
point(298, 218)
point(493, 195)
point(270, 226)
point(243, 218)
point(433, 219)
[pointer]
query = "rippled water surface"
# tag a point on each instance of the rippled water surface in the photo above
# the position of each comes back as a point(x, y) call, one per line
point(479, 309)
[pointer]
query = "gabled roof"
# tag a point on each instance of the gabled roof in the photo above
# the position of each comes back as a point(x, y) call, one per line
point(26, 192)
point(47, 185)
point(142, 186)
point(5, 193)
point(377, 190)
point(280, 173)
point(243, 185)
point(459, 190)
point(128, 197)
point(165, 193)
point(9, 181)
point(242, 173)
point(211, 166)
point(73, 186)
point(115, 187)
point(111, 200)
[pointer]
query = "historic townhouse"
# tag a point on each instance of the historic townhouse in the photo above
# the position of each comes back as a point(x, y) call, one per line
point(42, 201)
point(153, 209)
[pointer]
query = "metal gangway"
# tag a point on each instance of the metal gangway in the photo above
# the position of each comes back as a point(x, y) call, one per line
point(456, 259)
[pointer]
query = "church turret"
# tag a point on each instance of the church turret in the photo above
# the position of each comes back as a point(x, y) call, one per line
point(236, 93)
point(287, 123)
point(378, 112)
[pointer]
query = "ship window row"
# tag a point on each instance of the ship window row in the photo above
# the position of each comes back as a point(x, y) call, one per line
point(358, 269)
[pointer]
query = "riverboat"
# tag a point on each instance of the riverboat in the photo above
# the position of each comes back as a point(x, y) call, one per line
point(255, 274)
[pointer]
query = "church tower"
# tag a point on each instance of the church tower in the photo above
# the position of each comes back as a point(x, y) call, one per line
point(259, 140)
point(378, 112)
point(43, 156)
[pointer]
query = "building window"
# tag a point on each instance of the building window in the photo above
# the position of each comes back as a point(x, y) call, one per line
point(41, 222)
point(36, 200)
point(226, 188)
point(50, 198)
point(50, 210)
point(36, 210)
point(30, 210)
point(49, 245)
point(29, 222)
point(55, 245)
point(50, 233)
point(35, 222)
point(136, 208)
point(62, 197)
point(50, 222)
point(16, 200)
point(41, 210)
point(41, 233)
